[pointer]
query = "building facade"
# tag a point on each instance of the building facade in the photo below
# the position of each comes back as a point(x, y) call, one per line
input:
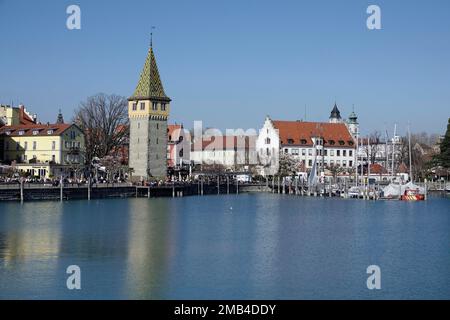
point(178, 146)
point(148, 111)
point(326, 144)
point(231, 152)
point(41, 148)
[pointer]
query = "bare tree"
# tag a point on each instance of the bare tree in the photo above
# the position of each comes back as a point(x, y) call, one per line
point(372, 146)
point(103, 119)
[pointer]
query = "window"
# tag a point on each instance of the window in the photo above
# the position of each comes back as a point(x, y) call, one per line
point(139, 125)
point(267, 140)
point(142, 105)
point(50, 131)
point(332, 153)
point(338, 153)
point(344, 163)
point(310, 163)
point(310, 152)
point(303, 152)
point(53, 158)
point(157, 140)
point(21, 132)
point(73, 135)
point(181, 153)
point(53, 145)
point(25, 145)
point(325, 152)
point(17, 146)
point(344, 153)
point(341, 142)
point(134, 106)
point(350, 163)
point(163, 107)
point(295, 152)
point(157, 126)
point(154, 106)
point(303, 141)
point(34, 145)
point(350, 153)
point(290, 141)
point(286, 150)
point(267, 152)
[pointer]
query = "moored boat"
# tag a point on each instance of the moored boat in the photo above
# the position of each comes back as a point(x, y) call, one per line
point(412, 195)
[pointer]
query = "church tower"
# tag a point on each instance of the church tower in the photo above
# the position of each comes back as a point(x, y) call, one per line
point(148, 110)
point(335, 116)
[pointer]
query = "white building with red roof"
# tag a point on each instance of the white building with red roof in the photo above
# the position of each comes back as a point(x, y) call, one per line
point(326, 143)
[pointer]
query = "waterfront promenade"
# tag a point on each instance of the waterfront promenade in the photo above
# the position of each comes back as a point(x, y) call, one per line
point(76, 191)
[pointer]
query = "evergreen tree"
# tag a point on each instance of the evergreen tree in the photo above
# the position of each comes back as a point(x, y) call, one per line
point(443, 159)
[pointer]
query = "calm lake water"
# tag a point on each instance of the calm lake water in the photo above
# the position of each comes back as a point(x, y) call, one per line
point(247, 246)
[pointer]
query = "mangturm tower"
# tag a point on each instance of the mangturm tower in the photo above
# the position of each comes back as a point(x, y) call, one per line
point(148, 110)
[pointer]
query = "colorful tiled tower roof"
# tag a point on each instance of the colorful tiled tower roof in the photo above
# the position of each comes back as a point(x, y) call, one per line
point(150, 85)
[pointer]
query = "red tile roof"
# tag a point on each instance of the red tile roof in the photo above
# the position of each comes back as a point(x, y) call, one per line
point(376, 168)
point(24, 118)
point(299, 133)
point(58, 129)
point(171, 129)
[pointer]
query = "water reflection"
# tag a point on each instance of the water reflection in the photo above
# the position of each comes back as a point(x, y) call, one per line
point(148, 249)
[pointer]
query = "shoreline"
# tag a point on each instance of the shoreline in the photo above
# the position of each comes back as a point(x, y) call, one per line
point(15, 193)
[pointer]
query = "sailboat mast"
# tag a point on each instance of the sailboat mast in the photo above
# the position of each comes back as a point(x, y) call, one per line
point(410, 155)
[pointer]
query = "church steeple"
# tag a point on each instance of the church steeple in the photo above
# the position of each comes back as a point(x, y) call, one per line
point(335, 116)
point(150, 86)
point(60, 118)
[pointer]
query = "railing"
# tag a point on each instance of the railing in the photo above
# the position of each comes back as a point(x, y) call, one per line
point(7, 186)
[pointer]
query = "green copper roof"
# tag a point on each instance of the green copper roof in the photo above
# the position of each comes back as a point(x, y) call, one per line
point(150, 85)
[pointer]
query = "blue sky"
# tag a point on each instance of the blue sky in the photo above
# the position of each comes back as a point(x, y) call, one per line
point(231, 63)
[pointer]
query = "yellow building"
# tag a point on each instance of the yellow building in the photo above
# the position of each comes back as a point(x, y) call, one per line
point(42, 150)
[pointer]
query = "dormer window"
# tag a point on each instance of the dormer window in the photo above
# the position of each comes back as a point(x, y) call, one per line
point(290, 141)
point(303, 141)
point(21, 132)
point(331, 142)
point(341, 142)
point(35, 132)
point(350, 143)
point(8, 133)
point(50, 131)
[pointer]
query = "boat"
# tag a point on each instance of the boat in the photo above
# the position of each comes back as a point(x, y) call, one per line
point(412, 195)
point(406, 192)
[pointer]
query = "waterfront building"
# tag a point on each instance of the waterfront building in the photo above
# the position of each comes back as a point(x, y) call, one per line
point(43, 150)
point(178, 146)
point(328, 144)
point(148, 111)
point(229, 152)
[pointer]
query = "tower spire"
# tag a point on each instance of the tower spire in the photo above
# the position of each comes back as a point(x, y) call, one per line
point(151, 36)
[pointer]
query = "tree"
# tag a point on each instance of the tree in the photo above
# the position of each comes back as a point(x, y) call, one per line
point(288, 165)
point(103, 119)
point(443, 158)
point(373, 147)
